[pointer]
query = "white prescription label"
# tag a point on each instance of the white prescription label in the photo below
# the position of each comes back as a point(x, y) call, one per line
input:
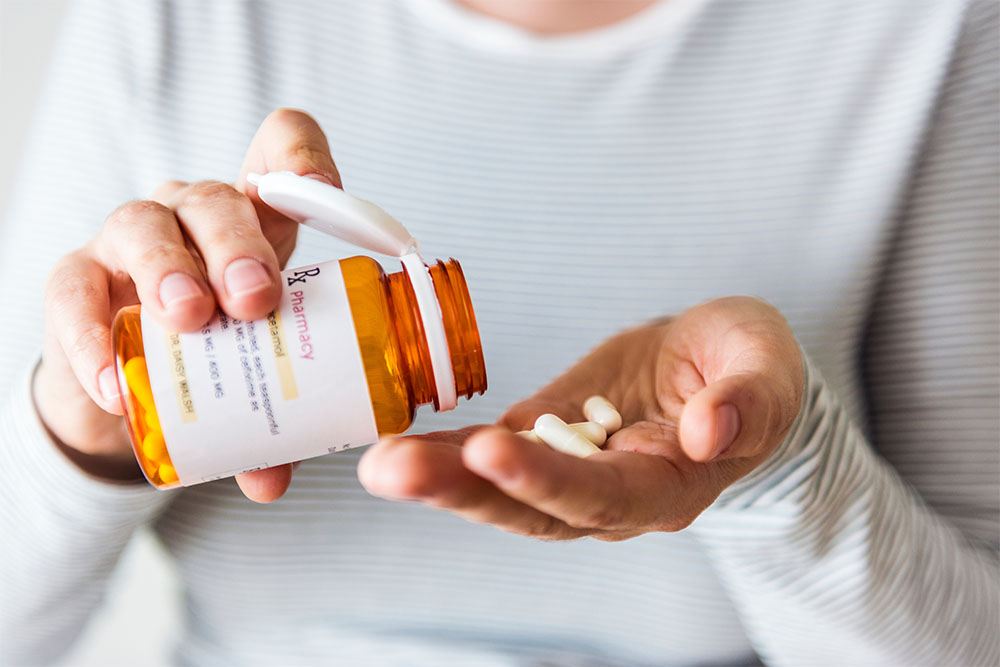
point(239, 396)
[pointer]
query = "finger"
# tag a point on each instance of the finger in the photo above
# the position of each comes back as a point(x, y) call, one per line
point(752, 365)
point(165, 192)
point(432, 472)
point(241, 265)
point(607, 491)
point(287, 140)
point(740, 415)
point(290, 140)
point(265, 486)
point(78, 311)
point(143, 238)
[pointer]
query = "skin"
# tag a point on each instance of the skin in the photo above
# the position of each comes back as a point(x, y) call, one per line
point(705, 396)
point(677, 451)
point(188, 235)
point(552, 17)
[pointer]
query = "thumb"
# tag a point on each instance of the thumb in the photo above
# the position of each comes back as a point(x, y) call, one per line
point(290, 140)
point(287, 140)
point(739, 416)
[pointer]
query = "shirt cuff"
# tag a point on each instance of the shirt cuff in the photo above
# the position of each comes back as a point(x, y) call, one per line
point(31, 462)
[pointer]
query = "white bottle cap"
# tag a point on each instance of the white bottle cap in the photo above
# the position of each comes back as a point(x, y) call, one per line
point(437, 341)
point(332, 211)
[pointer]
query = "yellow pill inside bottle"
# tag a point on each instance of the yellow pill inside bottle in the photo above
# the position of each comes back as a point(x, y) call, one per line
point(153, 446)
point(166, 474)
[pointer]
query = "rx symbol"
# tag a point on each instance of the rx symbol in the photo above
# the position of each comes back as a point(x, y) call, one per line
point(300, 276)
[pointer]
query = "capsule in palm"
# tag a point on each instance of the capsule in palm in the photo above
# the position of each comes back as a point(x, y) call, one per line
point(599, 409)
point(562, 437)
point(590, 430)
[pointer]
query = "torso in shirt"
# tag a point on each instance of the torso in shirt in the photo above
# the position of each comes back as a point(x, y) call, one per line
point(746, 151)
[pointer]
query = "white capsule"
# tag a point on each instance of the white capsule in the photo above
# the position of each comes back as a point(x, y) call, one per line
point(530, 435)
point(558, 435)
point(590, 430)
point(599, 409)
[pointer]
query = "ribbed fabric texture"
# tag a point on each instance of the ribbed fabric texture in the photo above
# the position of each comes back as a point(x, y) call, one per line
point(839, 159)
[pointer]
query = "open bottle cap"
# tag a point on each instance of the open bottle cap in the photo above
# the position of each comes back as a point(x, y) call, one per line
point(332, 211)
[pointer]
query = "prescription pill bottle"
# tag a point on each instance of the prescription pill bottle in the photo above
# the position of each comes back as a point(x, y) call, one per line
point(342, 360)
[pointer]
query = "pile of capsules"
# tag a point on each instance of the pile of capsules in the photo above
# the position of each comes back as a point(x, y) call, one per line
point(582, 439)
point(156, 461)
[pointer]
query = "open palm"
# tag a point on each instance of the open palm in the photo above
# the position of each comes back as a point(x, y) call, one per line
point(705, 398)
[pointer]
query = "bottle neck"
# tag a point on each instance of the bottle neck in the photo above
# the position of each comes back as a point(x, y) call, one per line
point(464, 345)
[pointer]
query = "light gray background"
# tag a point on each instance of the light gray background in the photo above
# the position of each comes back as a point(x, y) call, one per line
point(139, 619)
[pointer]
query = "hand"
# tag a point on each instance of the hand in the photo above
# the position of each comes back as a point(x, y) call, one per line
point(705, 398)
point(192, 246)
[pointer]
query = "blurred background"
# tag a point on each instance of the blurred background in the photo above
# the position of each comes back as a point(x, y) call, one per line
point(138, 621)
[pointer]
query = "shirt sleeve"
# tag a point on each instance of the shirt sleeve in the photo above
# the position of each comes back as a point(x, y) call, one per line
point(851, 547)
point(62, 530)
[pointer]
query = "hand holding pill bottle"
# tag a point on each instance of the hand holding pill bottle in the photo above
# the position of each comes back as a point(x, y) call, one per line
point(347, 356)
point(204, 260)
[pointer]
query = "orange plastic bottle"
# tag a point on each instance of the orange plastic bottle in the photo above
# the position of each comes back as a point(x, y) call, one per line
point(393, 351)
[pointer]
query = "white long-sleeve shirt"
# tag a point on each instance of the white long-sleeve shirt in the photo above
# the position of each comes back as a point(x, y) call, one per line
point(839, 159)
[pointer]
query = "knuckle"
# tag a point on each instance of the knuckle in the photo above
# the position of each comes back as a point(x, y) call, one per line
point(206, 194)
point(237, 234)
point(548, 528)
point(128, 213)
point(680, 521)
point(67, 287)
point(614, 537)
point(602, 517)
point(541, 526)
point(162, 255)
point(60, 271)
point(89, 340)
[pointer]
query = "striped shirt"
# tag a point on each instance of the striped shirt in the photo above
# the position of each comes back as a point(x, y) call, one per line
point(838, 158)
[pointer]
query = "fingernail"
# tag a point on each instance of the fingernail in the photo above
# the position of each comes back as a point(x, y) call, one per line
point(727, 427)
point(245, 276)
point(177, 287)
point(107, 384)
